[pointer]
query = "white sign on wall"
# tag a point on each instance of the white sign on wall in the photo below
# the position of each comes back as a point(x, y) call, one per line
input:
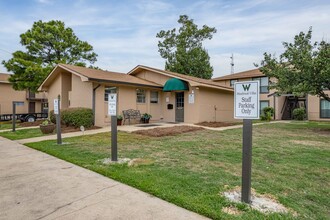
point(56, 106)
point(112, 104)
point(191, 98)
point(246, 96)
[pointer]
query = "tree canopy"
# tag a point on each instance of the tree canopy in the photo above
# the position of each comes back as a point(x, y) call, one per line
point(303, 68)
point(183, 49)
point(46, 44)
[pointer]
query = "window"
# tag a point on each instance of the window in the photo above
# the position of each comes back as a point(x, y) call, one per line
point(140, 96)
point(232, 81)
point(109, 90)
point(324, 108)
point(263, 104)
point(153, 97)
point(264, 83)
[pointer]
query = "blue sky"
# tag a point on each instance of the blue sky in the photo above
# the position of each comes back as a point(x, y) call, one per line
point(123, 33)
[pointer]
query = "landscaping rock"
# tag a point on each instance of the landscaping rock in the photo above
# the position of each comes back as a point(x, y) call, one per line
point(262, 203)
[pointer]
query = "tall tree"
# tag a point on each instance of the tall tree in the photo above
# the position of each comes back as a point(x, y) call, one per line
point(47, 44)
point(304, 67)
point(183, 49)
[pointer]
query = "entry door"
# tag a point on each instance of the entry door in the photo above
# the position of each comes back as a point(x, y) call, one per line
point(179, 107)
point(32, 107)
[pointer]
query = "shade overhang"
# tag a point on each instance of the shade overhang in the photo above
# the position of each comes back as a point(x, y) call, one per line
point(175, 84)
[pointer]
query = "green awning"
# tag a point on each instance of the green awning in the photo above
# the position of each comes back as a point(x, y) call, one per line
point(175, 84)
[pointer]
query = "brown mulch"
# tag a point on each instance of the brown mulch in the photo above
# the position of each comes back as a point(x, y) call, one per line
point(30, 124)
point(216, 124)
point(160, 132)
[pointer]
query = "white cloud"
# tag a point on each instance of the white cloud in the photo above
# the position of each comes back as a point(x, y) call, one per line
point(124, 33)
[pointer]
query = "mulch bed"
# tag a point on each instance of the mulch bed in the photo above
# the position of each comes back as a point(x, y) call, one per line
point(30, 124)
point(216, 124)
point(160, 132)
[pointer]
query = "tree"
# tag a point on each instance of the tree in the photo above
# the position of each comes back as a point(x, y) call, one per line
point(183, 50)
point(304, 67)
point(47, 44)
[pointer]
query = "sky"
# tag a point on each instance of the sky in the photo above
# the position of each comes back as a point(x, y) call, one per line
point(123, 33)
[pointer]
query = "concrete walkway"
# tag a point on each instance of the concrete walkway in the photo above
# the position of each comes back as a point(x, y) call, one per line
point(34, 185)
point(131, 128)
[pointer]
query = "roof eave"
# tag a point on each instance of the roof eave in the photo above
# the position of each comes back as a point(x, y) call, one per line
point(191, 82)
point(123, 83)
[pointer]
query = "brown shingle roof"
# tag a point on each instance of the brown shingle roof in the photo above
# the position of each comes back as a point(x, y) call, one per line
point(205, 82)
point(4, 77)
point(241, 75)
point(107, 76)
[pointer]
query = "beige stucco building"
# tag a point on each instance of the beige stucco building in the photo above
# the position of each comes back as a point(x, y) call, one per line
point(33, 103)
point(144, 89)
point(317, 109)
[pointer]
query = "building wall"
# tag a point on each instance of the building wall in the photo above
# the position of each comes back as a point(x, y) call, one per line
point(216, 105)
point(53, 91)
point(153, 77)
point(8, 95)
point(126, 99)
point(81, 94)
point(314, 108)
point(168, 98)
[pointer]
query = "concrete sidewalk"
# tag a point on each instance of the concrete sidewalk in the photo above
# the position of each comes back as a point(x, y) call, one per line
point(34, 185)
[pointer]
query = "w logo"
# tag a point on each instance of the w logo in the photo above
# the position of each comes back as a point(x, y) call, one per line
point(246, 87)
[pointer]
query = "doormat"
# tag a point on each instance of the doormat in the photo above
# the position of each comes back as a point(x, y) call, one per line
point(147, 125)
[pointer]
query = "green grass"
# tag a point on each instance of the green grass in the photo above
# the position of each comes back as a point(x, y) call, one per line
point(22, 134)
point(290, 162)
point(8, 125)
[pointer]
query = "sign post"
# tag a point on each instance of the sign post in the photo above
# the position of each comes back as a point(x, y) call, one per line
point(15, 103)
point(246, 107)
point(58, 118)
point(112, 110)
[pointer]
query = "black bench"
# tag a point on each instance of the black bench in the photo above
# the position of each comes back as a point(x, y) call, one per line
point(131, 114)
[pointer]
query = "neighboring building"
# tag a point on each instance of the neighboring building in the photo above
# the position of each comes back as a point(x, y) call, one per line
point(317, 109)
point(167, 96)
point(33, 103)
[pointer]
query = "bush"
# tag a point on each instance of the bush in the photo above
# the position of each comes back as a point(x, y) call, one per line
point(52, 117)
point(75, 117)
point(268, 114)
point(299, 113)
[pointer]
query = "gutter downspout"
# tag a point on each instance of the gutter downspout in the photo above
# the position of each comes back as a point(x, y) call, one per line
point(93, 101)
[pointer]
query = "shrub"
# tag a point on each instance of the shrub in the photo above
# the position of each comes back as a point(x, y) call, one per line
point(52, 117)
point(299, 113)
point(75, 117)
point(268, 113)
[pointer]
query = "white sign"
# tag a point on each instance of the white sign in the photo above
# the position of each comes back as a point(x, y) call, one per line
point(112, 104)
point(246, 96)
point(191, 98)
point(167, 99)
point(56, 106)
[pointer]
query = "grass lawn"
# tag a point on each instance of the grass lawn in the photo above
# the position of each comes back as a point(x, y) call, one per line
point(290, 162)
point(22, 134)
point(8, 125)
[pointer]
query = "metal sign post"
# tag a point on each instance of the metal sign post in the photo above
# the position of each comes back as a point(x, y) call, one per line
point(58, 119)
point(112, 110)
point(15, 103)
point(247, 105)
